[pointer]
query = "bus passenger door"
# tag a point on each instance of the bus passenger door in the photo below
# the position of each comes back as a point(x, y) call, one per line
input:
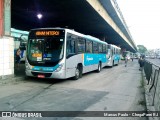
point(71, 60)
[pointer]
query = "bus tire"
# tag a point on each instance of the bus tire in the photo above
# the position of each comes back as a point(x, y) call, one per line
point(118, 63)
point(99, 67)
point(113, 63)
point(77, 73)
point(81, 70)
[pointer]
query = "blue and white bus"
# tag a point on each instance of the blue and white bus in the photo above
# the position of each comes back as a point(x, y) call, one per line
point(113, 55)
point(63, 53)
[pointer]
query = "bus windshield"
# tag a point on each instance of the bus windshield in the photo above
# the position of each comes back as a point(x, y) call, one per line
point(45, 51)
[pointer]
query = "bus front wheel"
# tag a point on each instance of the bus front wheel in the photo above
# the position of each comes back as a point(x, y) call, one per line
point(77, 74)
point(99, 68)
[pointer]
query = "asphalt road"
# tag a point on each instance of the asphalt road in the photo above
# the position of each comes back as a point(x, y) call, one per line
point(155, 61)
point(113, 89)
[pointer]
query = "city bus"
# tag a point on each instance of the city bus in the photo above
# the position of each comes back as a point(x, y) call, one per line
point(114, 55)
point(63, 53)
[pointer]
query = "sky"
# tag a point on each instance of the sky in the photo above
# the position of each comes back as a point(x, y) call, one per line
point(143, 20)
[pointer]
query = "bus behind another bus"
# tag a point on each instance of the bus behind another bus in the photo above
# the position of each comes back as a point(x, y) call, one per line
point(63, 53)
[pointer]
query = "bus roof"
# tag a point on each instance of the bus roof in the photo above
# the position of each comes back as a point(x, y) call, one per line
point(114, 46)
point(74, 32)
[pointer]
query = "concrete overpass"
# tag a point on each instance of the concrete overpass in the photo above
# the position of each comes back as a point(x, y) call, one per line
point(94, 17)
point(98, 18)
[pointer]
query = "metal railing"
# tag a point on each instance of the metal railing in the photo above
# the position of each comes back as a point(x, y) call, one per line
point(152, 75)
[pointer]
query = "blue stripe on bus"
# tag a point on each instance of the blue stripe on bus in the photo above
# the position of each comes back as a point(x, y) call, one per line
point(116, 57)
point(90, 59)
point(45, 69)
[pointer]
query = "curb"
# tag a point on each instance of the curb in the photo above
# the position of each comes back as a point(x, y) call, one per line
point(148, 98)
point(11, 79)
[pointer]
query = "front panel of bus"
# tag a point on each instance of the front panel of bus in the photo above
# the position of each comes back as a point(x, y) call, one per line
point(45, 53)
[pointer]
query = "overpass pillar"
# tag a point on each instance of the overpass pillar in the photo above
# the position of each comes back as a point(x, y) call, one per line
point(6, 41)
point(1, 17)
point(103, 38)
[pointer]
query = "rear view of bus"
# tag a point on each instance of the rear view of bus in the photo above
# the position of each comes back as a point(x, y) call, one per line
point(114, 55)
point(45, 53)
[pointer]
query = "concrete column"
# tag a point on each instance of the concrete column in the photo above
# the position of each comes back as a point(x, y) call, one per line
point(6, 41)
point(7, 17)
point(103, 38)
point(1, 17)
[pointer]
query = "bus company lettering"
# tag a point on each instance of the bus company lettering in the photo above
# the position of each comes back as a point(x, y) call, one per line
point(47, 33)
point(89, 58)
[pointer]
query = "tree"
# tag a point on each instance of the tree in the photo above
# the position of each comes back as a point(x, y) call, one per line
point(141, 49)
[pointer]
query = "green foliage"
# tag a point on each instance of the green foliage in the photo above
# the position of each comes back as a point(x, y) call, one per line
point(141, 48)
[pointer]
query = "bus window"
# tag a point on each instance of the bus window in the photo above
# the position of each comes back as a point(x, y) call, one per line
point(107, 51)
point(95, 47)
point(88, 46)
point(100, 48)
point(81, 45)
point(115, 51)
point(70, 47)
point(36, 49)
point(53, 49)
point(104, 48)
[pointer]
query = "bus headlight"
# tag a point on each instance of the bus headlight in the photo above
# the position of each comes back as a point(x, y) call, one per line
point(59, 68)
point(28, 67)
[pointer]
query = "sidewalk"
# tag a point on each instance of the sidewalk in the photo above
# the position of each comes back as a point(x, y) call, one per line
point(148, 98)
point(19, 74)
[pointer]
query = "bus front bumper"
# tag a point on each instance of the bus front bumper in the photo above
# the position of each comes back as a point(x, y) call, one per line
point(41, 74)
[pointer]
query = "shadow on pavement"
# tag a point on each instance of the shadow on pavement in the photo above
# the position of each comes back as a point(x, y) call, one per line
point(20, 72)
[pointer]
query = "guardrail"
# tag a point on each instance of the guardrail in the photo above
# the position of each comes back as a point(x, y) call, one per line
point(152, 75)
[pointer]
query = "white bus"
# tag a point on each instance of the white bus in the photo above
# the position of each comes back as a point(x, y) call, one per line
point(113, 55)
point(63, 53)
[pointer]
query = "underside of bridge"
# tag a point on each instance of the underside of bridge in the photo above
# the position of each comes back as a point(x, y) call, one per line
point(73, 14)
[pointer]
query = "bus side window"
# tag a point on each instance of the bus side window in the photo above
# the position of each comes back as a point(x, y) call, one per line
point(104, 48)
point(107, 47)
point(81, 45)
point(95, 47)
point(100, 48)
point(88, 46)
point(70, 47)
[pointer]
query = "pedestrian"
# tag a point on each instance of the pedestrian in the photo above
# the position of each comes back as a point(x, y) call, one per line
point(141, 63)
point(126, 60)
point(132, 59)
point(18, 58)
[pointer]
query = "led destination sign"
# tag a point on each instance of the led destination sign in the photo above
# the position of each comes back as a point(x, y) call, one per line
point(47, 33)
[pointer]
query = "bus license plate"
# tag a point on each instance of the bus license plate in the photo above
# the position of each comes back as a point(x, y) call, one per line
point(41, 76)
